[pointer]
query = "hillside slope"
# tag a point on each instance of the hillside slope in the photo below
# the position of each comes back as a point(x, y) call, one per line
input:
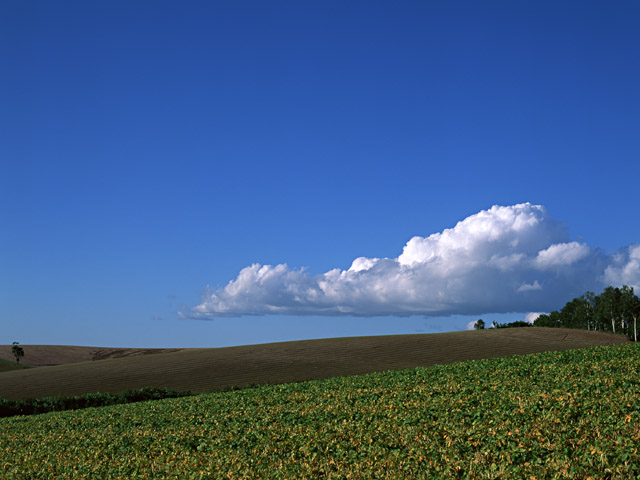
point(553, 415)
point(204, 370)
point(7, 366)
point(47, 355)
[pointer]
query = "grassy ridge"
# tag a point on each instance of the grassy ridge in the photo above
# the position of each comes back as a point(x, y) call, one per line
point(574, 414)
point(6, 366)
point(206, 370)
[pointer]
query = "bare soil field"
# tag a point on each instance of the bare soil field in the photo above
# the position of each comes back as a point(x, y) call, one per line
point(81, 370)
point(47, 355)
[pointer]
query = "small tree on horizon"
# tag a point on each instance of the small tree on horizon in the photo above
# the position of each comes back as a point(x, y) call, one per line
point(479, 325)
point(18, 351)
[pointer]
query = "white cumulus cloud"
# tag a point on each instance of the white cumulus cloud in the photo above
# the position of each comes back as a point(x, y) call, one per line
point(561, 254)
point(625, 268)
point(528, 287)
point(504, 259)
point(532, 316)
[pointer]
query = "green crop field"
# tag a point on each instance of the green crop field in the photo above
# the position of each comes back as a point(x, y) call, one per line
point(572, 414)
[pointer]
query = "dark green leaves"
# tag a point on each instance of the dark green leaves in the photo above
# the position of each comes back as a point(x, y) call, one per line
point(574, 414)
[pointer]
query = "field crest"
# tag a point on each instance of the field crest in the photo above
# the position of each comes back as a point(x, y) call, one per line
point(48, 355)
point(206, 370)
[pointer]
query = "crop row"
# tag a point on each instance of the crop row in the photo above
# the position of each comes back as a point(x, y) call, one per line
point(574, 414)
point(34, 406)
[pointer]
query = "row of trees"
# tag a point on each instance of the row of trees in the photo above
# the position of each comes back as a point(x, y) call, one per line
point(614, 310)
point(480, 325)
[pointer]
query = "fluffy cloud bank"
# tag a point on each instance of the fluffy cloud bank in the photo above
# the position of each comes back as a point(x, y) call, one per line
point(505, 259)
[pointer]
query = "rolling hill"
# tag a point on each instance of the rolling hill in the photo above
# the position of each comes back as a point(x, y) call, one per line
point(7, 366)
point(47, 355)
point(205, 370)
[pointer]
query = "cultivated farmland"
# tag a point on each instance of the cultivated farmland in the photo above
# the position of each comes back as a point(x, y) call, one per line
point(206, 370)
point(6, 366)
point(48, 355)
point(572, 414)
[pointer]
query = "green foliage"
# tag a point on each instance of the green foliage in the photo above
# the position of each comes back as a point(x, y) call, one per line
point(50, 404)
point(516, 324)
point(17, 351)
point(614, 310)
point(574, 414)
point(17, 365)
point(479, 325)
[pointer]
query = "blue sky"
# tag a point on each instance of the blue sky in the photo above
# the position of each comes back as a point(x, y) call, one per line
point(149, 150)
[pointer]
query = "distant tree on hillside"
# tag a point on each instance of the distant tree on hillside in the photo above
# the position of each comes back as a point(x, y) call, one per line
point(17, 351)
point(608, 307)
point(516, 324)
point(577, 313)
point(589, 305)
point(632, 306)
point(615, 310)
point(479, 325)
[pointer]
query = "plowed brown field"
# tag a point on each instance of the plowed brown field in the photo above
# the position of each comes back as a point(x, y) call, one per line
point(205, 370)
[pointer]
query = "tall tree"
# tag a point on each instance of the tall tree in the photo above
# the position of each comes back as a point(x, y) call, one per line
point(635, 313)
point(576, 313)
point(548, 320)
point(630, 304)
point(589, 303)
point(615, 309)
point(17, 351)
point(608, 306)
